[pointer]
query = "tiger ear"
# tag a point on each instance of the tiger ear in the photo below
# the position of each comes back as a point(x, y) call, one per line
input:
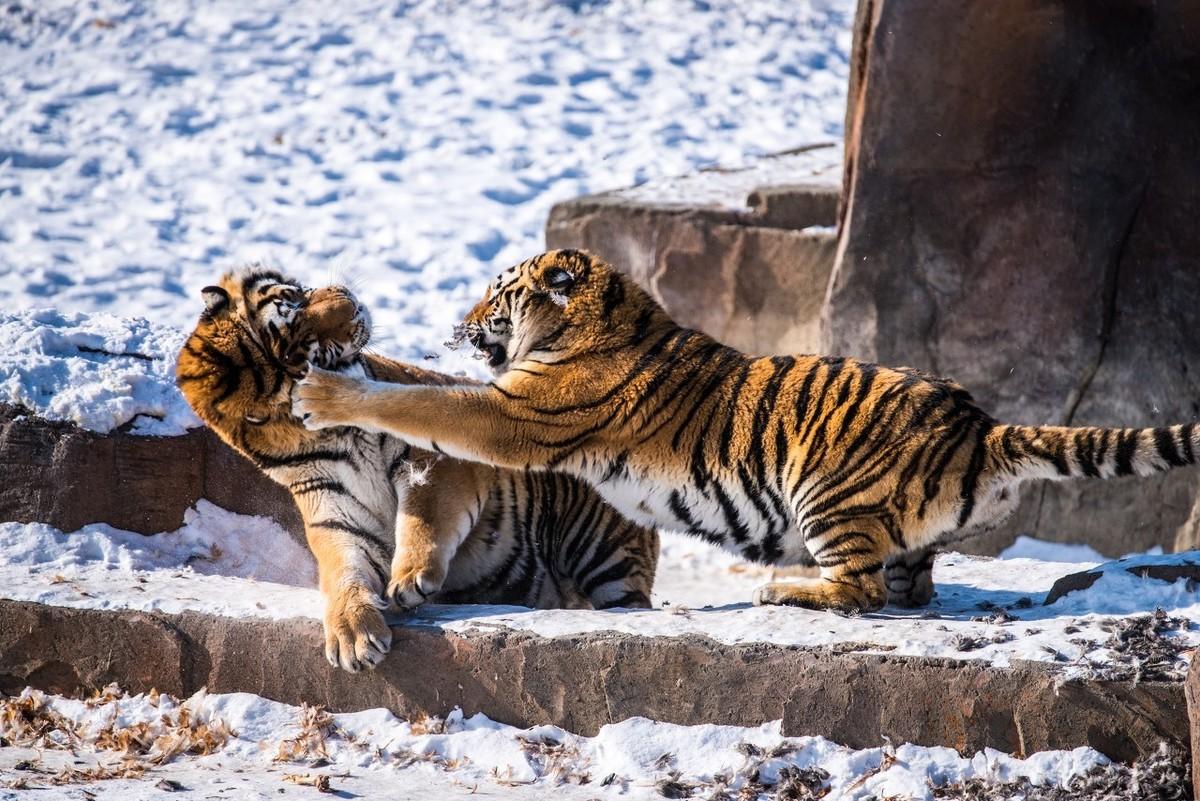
point(557, 279)
point(215, 299)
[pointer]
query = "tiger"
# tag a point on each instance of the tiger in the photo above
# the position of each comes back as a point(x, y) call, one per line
point(390, 525)
point(863, 470)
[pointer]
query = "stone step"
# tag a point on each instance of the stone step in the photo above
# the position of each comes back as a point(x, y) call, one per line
point(744, 255)
point(583, 681)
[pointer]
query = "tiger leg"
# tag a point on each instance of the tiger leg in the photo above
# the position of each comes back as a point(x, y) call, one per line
point(433, 519)
point(909, 578)
point(617, 570)
point(356, 636)
point(476, 423)
point(851, 556)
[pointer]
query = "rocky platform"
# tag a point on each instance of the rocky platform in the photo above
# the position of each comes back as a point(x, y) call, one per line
point(965, 673)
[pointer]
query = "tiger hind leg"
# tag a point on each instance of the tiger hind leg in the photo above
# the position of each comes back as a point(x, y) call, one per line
point(433, 519)
point(851, 557)
point(909, 578)
point(623, 579)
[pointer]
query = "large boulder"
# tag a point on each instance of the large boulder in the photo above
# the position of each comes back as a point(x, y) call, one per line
point(58, 473)
point(1022, 188)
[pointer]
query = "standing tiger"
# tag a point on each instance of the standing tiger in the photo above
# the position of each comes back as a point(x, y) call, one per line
point(458, 532)
point(862, 469)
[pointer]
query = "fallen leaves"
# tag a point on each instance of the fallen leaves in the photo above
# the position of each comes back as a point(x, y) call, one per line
point(316, 727)
point(30, 721)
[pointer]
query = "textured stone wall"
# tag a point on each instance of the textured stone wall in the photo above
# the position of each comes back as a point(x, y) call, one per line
point(1022, 191)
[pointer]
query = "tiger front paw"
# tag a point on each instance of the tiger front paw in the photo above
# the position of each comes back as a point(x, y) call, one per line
point(414, 582)
point(356, 636)
point(324, 399)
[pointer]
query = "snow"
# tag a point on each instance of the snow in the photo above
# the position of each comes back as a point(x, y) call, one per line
point(212, 541)
point(412, 148)
point(729, 189)
point(226, 564)
point(249, 563)
point(1026, 547)
point(372, 752)
point(97, 370)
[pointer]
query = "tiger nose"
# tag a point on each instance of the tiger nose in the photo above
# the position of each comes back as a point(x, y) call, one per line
point(328, 293)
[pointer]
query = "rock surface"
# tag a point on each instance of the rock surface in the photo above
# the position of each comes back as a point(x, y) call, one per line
point(1170, 573)
point(61, 474)
point(1193, 704)
point(582, 682)
point(1021, 195)
point(743, 261)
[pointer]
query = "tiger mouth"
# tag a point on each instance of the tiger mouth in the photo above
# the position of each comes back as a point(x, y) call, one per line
point(495, 353)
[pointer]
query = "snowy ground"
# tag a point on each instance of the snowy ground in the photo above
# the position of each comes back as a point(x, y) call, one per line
point(412, 147)
point(99, 371)
point(245, 747)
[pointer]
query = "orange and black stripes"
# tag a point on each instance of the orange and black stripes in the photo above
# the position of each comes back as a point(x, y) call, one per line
point(859, 468)
point(505, 537)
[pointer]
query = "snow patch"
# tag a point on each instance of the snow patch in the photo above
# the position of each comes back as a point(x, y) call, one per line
point(98, 371)
point(1026, 547)
point(212, 541)
point(261, 742)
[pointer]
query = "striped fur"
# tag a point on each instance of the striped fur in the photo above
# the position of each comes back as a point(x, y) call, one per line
point(384, 520)
point(860, 468)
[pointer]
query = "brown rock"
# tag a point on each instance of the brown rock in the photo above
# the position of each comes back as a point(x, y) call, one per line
point(1193, 705)
point(794, 205)
point(1170, 573)
point(58, 473)
point(583, 682)
point(1021, 195)
point(739, 269)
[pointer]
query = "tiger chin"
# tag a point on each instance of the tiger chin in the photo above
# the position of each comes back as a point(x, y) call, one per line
point(860, 468)
point(391, 525)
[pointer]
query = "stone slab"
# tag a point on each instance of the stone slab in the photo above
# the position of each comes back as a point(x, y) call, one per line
point(751, 272)
point(58, 473)
point(585, 681)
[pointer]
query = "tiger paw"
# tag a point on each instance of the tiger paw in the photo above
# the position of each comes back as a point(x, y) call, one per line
point(413, 583)
point(324, 399)
point(356, 636)
point(821, 594)
point(918, 594)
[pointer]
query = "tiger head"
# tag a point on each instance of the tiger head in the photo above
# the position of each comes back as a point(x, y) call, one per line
point(258, 332)
point(554, 304)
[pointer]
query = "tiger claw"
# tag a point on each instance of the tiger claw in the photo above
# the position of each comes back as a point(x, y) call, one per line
point(356, 636)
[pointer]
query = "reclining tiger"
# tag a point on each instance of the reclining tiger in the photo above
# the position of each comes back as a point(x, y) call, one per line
point(467, 532)
point(858, 467)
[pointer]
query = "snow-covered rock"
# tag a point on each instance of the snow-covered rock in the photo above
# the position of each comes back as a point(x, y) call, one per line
point(98, 370)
